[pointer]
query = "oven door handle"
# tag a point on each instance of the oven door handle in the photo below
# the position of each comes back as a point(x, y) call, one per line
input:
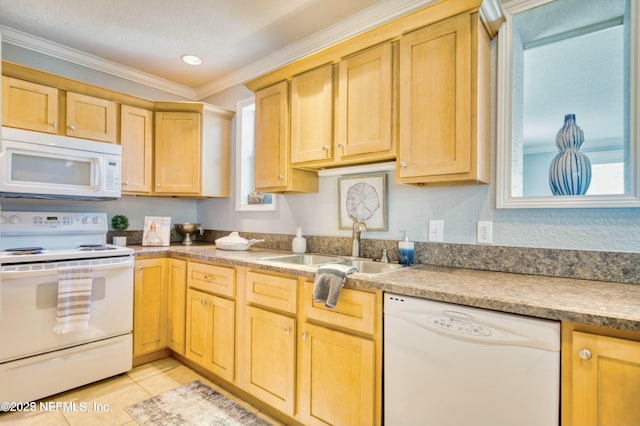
point(7, 275)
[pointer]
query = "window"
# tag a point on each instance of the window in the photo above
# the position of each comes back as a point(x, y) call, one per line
point(246, 198)
point(568, 57)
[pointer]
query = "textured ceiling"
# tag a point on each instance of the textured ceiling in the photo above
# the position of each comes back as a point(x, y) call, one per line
point(151, 35)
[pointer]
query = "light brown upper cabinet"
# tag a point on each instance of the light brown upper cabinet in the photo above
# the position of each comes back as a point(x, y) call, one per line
point(363, 116)
point(136, 138)
point(192, 151)
point(365, 106)
point(444, 103)
point(312, 116)
point(91, 118)
point(273, 169)
point(415, 89)
point(28, 105)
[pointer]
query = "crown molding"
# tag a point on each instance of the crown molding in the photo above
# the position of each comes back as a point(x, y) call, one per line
point(367, 19)
point(78, 57)
point(350, 27)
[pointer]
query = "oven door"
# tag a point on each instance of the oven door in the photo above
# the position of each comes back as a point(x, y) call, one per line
point(28, 304)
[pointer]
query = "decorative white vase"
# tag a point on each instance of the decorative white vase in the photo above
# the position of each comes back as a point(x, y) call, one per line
point(570, 170)
point(120, 241)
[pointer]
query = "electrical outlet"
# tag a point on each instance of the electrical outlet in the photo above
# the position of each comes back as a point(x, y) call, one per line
point(436, 230)
point(485, 232)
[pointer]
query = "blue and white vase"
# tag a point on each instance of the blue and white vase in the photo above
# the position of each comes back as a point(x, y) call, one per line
point(570, 170)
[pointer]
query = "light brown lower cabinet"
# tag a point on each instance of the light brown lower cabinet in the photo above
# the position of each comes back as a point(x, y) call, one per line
point(177, 293)
point(337, 377)
point(211, 332)
point(601, 377)
point(149, 305)
point(270, 355)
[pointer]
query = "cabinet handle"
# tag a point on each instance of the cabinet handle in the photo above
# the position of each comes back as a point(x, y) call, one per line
point(305, 335)
point(53, 124)
point(157, 185)
point(280, 177)
point(72, 127)
point(287, 330)
point(140, 268)
point(403, 164)
point(125, 183)
point(325, 148)
point(340, 146)
point(584, 354)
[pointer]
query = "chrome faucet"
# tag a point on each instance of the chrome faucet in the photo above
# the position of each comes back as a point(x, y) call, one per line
point(358, 227)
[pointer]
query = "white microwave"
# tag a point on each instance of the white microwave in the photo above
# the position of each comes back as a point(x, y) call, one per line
point(42, 165)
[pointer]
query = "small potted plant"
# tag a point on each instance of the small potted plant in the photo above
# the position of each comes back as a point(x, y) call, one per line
point(120, 223)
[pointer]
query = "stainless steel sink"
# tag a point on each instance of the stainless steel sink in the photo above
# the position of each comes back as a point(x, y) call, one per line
point(372, 268)
point(306, 259)
point(363, 266)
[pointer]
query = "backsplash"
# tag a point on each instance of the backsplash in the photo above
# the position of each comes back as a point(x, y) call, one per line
point(581, 264)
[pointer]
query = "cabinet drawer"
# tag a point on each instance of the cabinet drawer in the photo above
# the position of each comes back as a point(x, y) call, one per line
point(272, 291)
point(212, 279)
point(355, 309)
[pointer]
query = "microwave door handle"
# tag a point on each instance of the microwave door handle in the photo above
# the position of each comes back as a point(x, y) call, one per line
point(97, 171)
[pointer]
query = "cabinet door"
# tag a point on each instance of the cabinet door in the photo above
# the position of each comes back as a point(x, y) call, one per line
point(312, 115)
point(606, 380)
point(211, 332)
point(198, 327)
point(270, 357)
point(150, 306)
point(435, 100)
point(136, 139)
point(221, 351)
point(91, 118)
point(337, 378)
point(177, 153)
point(177, 289)
point(364, 119)
point(272, 136)
point(29, 105)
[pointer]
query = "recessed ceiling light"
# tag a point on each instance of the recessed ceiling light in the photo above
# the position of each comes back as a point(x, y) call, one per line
point(191, 59)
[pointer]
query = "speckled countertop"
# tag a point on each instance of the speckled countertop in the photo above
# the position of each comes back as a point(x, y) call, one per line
point(607, 304)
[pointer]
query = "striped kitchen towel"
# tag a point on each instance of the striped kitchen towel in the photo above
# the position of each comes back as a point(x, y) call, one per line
point(74, 299)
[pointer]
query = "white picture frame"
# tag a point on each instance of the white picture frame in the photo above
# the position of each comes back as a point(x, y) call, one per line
point(157, 231)
point(371, 201)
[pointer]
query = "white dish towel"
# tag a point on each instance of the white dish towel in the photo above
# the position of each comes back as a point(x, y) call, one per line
point(74, 299)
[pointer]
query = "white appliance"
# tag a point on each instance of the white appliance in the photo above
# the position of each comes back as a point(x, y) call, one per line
point(447, 364)
point(35, 361)
point(42, 165)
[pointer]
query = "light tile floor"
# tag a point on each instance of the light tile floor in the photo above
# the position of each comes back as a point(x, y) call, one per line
point(142, 382)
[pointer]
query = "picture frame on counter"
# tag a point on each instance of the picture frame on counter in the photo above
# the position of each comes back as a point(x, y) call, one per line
point(157, 231)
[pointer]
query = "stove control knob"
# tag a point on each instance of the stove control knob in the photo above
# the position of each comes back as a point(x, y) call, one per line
point(2, 219)
point(96, 220)
point(14, 219)
point(85, 220)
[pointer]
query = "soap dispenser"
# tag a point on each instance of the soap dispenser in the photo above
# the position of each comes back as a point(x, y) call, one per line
point(405, 250)
point(299, 244)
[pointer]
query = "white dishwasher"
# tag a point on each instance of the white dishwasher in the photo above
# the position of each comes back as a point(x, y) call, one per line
point(448, 364)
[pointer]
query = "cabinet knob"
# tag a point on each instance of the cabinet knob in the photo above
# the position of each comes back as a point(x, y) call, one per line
point(305, 335)
point(325, 148)
point(280, 177)
point(287, 330)
point(157, 185)
point(53, 124)
point(209, 278)
point(140, 268)
point(403, 164)
point(72, 127)
point(584, 354)
point(340, 146)
point(125, 183)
